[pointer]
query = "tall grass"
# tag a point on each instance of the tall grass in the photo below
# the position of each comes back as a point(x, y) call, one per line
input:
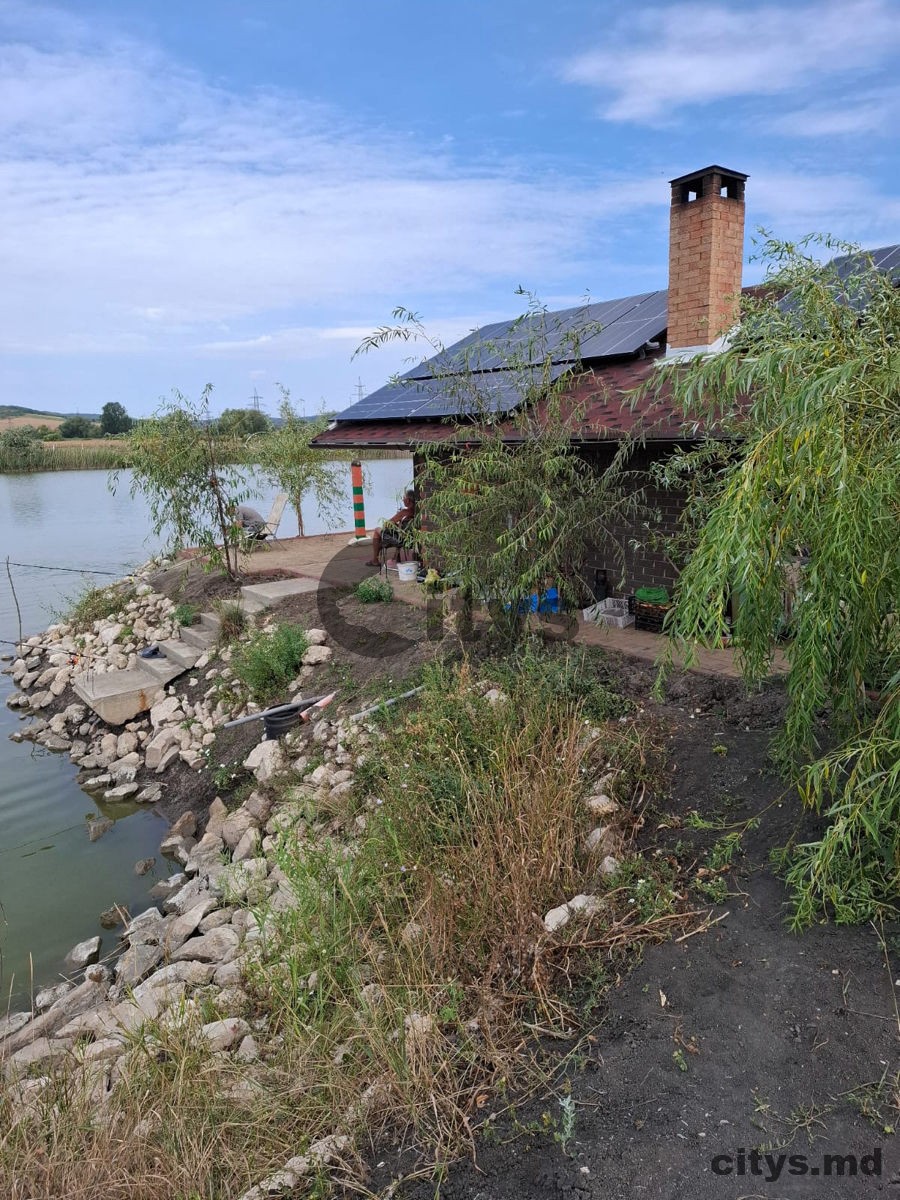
point(401, 983)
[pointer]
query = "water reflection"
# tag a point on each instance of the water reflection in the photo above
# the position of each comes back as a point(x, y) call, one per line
point(25, 496)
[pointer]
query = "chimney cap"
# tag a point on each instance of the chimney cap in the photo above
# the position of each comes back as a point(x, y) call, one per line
point(713, 169)
point(708, 171)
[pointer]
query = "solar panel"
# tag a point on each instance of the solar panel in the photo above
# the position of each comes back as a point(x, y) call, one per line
point(885, 259)
point(484, 393)
point(586, 331)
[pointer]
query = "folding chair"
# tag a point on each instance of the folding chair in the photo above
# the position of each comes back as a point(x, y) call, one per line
point(270, 529)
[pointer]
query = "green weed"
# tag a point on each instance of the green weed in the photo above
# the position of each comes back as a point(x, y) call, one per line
point(374, 591)
point(267, 662)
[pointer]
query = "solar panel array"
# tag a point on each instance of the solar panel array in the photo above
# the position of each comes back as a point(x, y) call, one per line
point(452, 396)
point(494, 368)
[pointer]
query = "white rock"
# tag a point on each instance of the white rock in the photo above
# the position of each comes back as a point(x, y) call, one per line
point(109, 633)
point(316, 637)
point(83, 954)
point(221, 1035)
point(265, 760)
point(165, 710)
point(315, 656)
point(556, 918)
point(609, 866)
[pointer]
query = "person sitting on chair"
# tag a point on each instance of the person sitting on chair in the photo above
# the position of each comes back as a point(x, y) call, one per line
point(250, 520)
point(392, 531)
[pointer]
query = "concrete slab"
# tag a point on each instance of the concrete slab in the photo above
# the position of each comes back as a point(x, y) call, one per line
point(270, 593)
point(118, 696)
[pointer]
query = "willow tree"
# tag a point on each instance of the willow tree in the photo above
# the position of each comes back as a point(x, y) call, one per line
point(178, 464)
point(796, 514)
point(287, 459)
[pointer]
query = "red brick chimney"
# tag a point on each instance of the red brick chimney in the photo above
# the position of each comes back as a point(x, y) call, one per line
point(706, 251)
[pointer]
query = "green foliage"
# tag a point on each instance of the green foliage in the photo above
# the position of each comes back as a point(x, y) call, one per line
point(374, 590)
point(186, 614)
point(512, 508)
point(20, 451)
point(242, 422)
point(97, 604)
point(77, 427)
point(114, 419)
point(810, 390)
point(267, 662)
point(178, 465)
point(287, 460)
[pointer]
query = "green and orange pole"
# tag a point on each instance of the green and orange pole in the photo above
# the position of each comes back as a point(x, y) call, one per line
point(359, 507)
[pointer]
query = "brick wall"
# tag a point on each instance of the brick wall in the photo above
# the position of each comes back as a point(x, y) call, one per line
point(644, 564)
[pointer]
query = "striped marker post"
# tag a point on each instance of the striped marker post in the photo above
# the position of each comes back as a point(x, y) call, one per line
point(359, 506)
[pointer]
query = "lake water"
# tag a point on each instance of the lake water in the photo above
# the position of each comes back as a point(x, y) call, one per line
point(54, 882)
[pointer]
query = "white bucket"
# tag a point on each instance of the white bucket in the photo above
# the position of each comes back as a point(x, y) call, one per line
point(407, 572)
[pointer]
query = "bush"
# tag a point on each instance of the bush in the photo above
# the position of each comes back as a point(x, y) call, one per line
point(267, 662)
point(374, 591)
point(98, 604)
point(186, 614)
point(20, 451)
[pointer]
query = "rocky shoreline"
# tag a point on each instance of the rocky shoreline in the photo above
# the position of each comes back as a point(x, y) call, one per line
point(189, 950)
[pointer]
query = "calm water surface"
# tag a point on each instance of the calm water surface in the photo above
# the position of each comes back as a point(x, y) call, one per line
point(54, 882)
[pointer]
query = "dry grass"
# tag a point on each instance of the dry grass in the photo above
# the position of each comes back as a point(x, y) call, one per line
point(36, 420)
point(400, 992)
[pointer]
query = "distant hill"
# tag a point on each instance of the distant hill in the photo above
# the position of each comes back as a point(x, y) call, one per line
point(13, 416)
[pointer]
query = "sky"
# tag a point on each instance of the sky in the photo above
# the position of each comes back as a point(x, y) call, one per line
point(237, 192)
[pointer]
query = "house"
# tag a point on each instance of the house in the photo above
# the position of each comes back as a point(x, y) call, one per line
point(600, 352)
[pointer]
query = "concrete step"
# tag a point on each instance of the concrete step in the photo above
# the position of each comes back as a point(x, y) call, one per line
point(161, 668)
point(178, 653)
point(196, 635)
point(118, 696)
point(210, 621)
point(255, 597)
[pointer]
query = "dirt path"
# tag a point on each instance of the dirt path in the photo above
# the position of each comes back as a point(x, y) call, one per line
point(762, 1037)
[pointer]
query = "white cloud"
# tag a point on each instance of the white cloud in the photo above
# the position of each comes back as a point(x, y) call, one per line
point(666, 58)
point(142, 206)
point(873, 112)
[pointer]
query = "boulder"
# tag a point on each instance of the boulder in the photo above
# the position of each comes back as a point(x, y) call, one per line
point(143, 865)
point(83, 954)
point(221, 1035)
point(182, 927)
point(123, 791)
point(316, 656)
point(136, 963)
point(265, 760)
point(185, 826)
point(218, 946)
point(48, 996)
point(165, 710)
point(158, 746)
point(236, 825)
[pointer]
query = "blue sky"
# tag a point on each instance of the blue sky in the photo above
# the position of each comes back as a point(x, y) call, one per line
point(237, 192)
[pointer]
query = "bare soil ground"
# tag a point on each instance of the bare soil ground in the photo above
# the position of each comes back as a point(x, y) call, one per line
point(767, 1040)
